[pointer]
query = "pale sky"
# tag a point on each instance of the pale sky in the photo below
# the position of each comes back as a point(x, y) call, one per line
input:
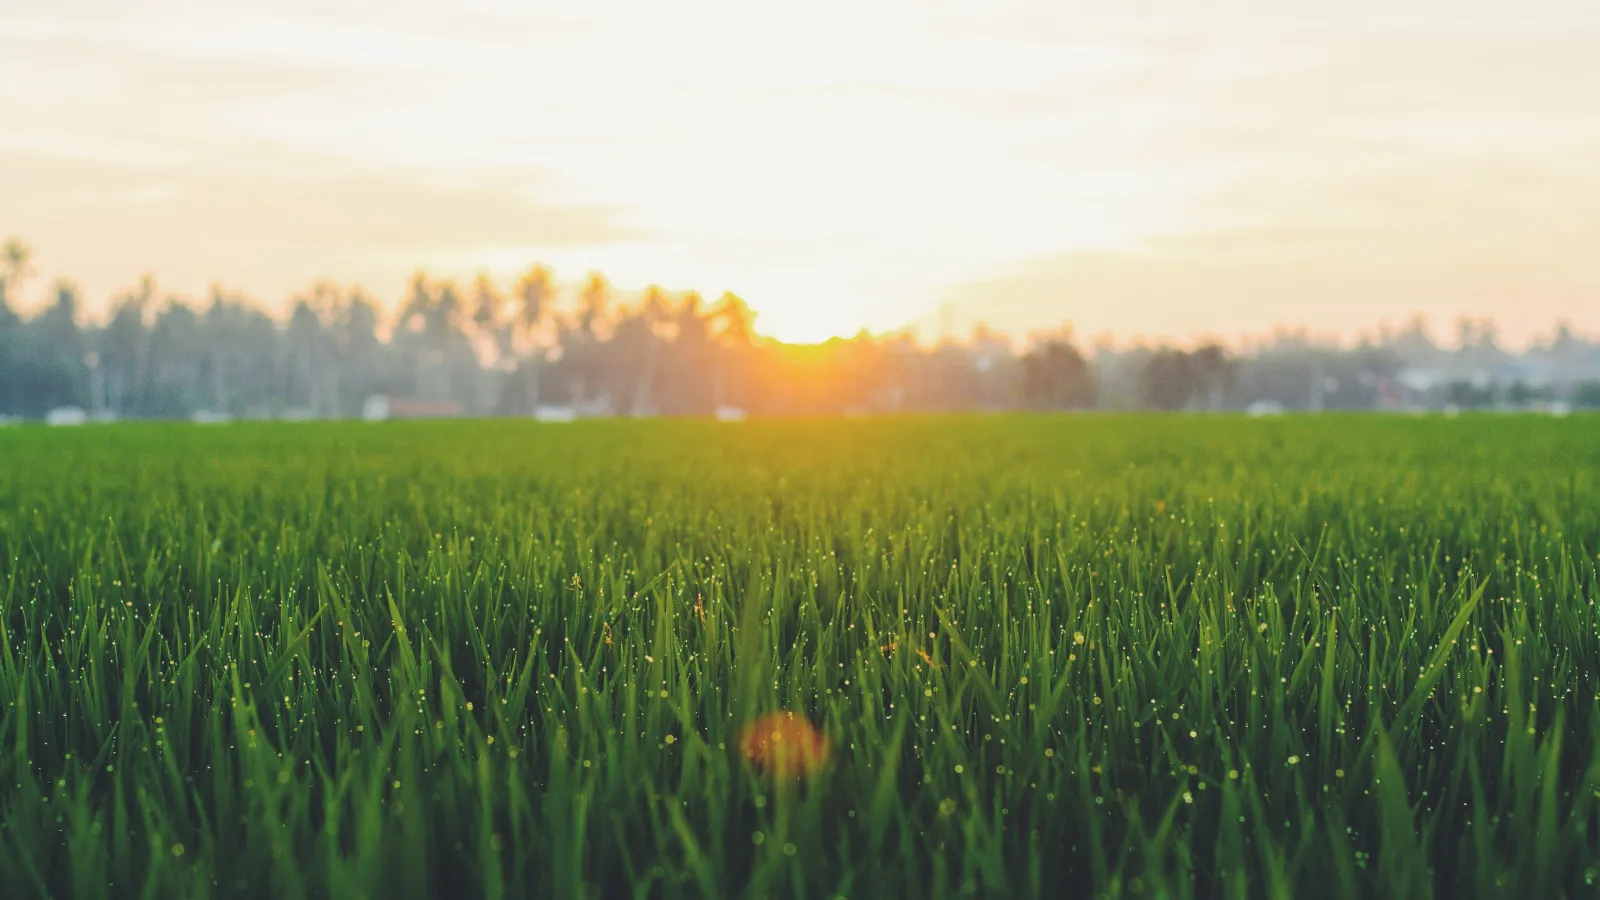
point(1156, 169)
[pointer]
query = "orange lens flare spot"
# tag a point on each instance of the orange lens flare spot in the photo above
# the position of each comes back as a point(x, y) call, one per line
point(784, 745)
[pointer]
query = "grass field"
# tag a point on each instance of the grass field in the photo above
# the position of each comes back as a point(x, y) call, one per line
point(1073, 656)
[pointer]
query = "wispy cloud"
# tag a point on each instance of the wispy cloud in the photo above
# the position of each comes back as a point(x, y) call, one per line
point(842, 164)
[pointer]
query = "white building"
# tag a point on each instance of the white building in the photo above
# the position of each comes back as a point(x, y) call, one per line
point(556, 413)
point(66, 415)
point(376, 408)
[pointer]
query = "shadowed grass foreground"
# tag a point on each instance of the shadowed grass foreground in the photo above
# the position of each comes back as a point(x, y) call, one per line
point(1051, 657)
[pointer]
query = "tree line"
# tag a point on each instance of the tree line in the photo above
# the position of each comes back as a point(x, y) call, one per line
point(489, 349)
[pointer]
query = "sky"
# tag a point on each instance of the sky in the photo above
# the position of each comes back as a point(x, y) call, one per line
point(1141, 169)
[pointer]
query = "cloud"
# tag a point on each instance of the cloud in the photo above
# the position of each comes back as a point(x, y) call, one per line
point(275, 226)
point(1511, 242)
point(864, 157)
point(1344, 177)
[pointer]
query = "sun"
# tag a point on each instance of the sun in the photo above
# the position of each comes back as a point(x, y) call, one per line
point(801, 317)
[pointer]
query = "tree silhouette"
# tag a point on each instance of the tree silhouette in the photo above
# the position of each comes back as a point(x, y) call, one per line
point(493, 350)
point(1213, 374)
point(16, 267)
point(1056, 376)
point(535, 292)
point(1167, 380)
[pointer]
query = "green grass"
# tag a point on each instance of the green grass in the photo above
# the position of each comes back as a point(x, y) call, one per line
point(1072, 656)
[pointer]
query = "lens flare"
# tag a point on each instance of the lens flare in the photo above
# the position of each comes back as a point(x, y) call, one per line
point(784, 745)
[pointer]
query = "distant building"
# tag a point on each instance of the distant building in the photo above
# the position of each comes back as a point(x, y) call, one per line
point(1421, 381)
point(380, 407)
point(556, 413)
point(376, 408)
point(66, 415)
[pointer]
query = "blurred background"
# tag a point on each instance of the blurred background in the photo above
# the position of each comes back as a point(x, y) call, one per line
point(294, 209)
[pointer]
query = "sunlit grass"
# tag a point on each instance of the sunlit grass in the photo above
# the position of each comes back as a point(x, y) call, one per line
point(1049, 657)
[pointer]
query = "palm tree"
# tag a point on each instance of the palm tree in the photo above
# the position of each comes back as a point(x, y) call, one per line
point(430, 317)
point(733, 327)
point(14, 270)
point(594, 304)
point(533, 295)
point(175, 353)
point(126, 349)
point(693, 358)
point(1214, 374)
point(443, 316)
point(1167, 380)
point(581, 339)
point(16, 267)
point(362, 363)
point(1056, 376)
point(488, 326)
point(653, 312)
point(302, 340)
point(58, 349)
